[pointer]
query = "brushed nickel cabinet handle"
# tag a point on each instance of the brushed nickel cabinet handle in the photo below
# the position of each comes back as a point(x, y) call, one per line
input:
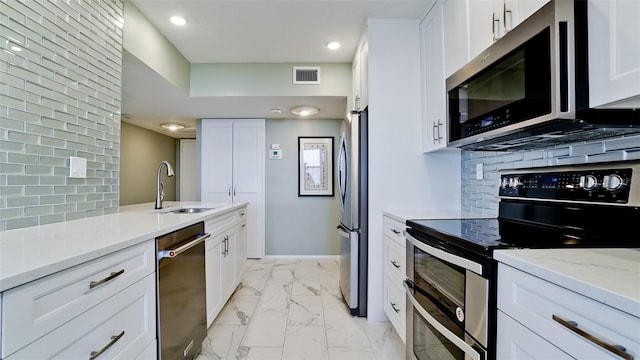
point(397, 232)
point(395, 263)
point(619, 350)
point(113, 275)
point(114, 339)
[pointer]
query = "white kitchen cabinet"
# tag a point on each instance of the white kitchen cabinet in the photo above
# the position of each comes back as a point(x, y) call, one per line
point(225, 258)
point(434, 113)
point(232, 170)
point(454, 34)
point(519, 343)
point(55, 315)
point(395, 273)
point(550, 312)
point(489, 20)
point(360, 76)
point(614, 53)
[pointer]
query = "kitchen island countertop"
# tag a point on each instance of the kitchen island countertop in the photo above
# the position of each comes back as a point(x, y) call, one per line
point(31, 253)
point(610, 276)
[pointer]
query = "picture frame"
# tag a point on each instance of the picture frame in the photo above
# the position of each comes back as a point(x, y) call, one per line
point(315, 166)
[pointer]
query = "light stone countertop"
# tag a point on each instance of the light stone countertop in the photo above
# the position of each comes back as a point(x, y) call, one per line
point(403, 215)
point(610, 276)
point(30, 253)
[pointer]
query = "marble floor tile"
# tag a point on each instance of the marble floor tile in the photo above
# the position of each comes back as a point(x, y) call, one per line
point(293, 309)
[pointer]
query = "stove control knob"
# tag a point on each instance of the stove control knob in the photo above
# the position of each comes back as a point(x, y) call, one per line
point(588, 182)
point(515, 182)
point(504, 183)
point(613, 182)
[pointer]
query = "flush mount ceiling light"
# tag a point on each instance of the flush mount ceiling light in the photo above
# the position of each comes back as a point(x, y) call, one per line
point(334, 45)
point(275, 111)
point(305, 110)
point(172, 127)
point(178, 20)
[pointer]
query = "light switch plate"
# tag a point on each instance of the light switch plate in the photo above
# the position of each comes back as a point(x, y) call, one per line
point(479, 171)
point(77, 167)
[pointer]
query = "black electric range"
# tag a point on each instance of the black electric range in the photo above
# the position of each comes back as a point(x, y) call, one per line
point(594, 205)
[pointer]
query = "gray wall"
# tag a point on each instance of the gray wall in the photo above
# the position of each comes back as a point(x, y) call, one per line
point(142, 151)
point(59, 97)
point(481, 195)
point(298, 225)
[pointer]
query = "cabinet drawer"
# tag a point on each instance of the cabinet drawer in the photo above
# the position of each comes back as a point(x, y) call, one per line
point(394, 229)
point(394, 260)
point(220, 223)
point(533, 302)
point(517, 342)
point(34, 309)
point(395, 305)
point(127, 322)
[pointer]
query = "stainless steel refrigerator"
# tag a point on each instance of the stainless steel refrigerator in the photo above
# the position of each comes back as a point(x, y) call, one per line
point(353, 192)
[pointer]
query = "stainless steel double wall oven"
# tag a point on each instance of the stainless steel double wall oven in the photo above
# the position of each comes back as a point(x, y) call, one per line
point(451, 274)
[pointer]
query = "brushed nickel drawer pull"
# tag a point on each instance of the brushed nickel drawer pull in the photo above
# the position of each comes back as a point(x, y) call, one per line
point(395, 263)
point(108, 278)
point(114, 339)
point(573, 326)
point(397, 232)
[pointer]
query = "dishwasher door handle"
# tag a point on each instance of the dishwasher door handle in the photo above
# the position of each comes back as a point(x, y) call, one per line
point(175, 252)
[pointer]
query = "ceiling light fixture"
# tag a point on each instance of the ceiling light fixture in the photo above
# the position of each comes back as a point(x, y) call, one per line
point(178, 20)
point(172, 127)
point(304, 110)
point(334, 45)
point(276, 111)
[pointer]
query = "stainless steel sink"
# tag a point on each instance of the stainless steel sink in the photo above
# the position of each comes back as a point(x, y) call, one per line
point(189, 210)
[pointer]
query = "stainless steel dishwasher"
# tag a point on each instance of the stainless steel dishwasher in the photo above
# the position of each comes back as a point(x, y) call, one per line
point(182, 313)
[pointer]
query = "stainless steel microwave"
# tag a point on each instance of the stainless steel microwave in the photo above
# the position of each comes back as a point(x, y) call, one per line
point(530, 88)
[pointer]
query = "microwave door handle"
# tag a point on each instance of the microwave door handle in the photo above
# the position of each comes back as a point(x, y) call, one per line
point(459, 343)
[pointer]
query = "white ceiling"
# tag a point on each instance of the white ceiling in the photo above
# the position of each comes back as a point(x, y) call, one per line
point(248, 31)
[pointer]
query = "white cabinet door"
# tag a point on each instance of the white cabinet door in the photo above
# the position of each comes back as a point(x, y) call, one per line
point(240, 251)
point(434, 119)
point(227, 272)
point(614, 53)
point(216, 161)
point(455, 31)
point(485, 24)
point(213, 256)
point(232, 158)
point(516, 342)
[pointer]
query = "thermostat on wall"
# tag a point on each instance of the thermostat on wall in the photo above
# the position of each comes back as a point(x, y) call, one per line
point(275, 154)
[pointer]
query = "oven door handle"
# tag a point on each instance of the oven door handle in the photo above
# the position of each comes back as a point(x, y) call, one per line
point(461, 344)
point(445, 256)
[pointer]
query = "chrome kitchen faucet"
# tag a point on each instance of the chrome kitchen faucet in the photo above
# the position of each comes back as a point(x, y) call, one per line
point(159, 185)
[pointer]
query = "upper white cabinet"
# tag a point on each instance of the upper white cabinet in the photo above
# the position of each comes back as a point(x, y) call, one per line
point(360, 71)
point(232, 170)
point(614, 53)
point(489, 20)
point(455, 31)
point(434, 114)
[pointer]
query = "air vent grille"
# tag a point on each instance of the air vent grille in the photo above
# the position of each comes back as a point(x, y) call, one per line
point(306, 75)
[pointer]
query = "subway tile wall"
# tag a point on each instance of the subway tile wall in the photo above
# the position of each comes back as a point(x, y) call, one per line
point(481, 196)
point(60, 91)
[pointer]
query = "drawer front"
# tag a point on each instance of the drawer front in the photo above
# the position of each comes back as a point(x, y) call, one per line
point(395, 305)
point(150, 352)
point(128, 325)
point(36, 308)
point(516, 342)
point(394, 230)
point(395, 258)
point(534, 302)
point(220, 223)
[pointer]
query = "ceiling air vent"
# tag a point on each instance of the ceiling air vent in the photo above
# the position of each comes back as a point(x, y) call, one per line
point(306, 75)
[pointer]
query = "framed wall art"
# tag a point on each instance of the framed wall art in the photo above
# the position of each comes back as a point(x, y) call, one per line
point(315, 166)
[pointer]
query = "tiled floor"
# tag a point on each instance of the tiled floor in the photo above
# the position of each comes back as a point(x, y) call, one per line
point(292, 309)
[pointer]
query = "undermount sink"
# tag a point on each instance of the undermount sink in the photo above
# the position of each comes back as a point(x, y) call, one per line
point(189, 210)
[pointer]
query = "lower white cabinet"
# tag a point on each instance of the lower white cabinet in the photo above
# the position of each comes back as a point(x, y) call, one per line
point(57, 316)
point(394, 273)
point(539, 317)
point(225, 258)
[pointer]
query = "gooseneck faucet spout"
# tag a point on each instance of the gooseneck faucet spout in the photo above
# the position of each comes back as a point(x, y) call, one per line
point(159, 186)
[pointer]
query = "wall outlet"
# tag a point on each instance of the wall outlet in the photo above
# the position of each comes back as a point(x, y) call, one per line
point(479, 171)
point(77, 167)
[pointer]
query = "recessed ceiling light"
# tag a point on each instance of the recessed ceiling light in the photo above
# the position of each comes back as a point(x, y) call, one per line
point(178, 20)
point(276, 111)
point(305, 110)
point(172, 127)
point(334, 45)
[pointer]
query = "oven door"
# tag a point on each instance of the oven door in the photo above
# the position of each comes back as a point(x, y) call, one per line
point(447, 305)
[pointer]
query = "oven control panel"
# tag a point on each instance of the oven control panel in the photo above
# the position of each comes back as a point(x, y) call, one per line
point(591, 185)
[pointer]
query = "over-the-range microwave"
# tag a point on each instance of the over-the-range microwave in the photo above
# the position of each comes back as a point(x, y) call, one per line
point(530, 88)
